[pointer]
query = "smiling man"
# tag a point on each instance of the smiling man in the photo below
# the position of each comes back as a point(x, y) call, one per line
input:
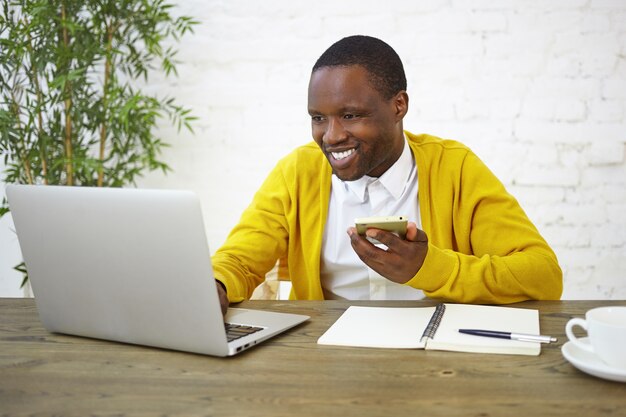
point(468, 239)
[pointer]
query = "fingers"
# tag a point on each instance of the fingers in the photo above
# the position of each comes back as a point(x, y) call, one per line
point(223, 297)
point(403, 257)
point(414, 234)
point(380, 260)
point(393, 242)
point(364, 248)
point(411, 231)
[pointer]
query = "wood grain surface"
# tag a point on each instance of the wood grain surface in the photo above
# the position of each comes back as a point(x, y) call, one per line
point(45, 374)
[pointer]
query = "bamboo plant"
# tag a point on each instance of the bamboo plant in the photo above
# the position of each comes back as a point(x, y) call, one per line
point(70, 109)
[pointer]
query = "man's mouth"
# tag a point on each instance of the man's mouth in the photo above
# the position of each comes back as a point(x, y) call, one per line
point(343, 154)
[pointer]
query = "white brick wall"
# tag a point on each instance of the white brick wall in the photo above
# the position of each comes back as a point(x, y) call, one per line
point(537, 89)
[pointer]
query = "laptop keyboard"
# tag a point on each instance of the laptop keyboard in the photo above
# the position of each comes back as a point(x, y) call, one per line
point(235, 331)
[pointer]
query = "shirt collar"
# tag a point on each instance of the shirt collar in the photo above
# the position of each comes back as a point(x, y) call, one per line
point(394, 180)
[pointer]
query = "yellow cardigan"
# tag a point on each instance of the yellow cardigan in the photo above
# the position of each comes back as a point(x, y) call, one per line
point(482, 247)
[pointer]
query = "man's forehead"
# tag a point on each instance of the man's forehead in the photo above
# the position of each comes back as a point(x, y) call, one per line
point(335, 94)
point(333, 80)
point(340, 70)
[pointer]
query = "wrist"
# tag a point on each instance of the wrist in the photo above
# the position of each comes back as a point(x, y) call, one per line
point(221, 284)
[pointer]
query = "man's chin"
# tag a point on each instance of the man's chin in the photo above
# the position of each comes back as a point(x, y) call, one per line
point(345, 172)
point(347, 176)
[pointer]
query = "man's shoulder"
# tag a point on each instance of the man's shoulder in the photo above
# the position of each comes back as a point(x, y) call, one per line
point(431, 143)
point(310, 149)
point(434, 153)
point(304, 161)
point(305, 155)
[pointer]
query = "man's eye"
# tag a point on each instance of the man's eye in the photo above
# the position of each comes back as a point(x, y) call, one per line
point(317, 119)
point(349, 116)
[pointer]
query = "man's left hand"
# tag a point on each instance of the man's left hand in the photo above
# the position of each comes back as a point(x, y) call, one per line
point(402, 259)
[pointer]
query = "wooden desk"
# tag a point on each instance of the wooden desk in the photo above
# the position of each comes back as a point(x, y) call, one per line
point(51, 374)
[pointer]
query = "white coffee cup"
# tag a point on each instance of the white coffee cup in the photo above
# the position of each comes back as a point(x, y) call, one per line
point(606, 328)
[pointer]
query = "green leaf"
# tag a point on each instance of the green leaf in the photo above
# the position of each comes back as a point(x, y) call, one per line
point(53, 93)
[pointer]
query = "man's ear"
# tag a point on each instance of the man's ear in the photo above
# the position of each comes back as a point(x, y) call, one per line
point(401, 104)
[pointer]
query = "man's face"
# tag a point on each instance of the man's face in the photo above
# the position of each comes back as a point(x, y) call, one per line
point(359, 131)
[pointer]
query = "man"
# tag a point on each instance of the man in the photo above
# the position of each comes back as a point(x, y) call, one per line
point(469, 240)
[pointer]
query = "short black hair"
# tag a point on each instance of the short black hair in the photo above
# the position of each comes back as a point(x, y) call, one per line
point(378, 58)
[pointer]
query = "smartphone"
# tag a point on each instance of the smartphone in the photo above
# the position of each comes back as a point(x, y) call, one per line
point(394, 224)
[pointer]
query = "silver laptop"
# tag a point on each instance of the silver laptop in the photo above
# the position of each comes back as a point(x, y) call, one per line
point(132, 266)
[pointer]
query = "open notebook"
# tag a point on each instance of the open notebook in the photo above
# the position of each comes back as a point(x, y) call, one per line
point(435, 328)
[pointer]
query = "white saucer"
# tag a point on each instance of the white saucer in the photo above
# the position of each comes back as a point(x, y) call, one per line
point(590, 363)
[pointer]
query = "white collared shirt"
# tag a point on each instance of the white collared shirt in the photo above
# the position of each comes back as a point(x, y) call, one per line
point(394, 193)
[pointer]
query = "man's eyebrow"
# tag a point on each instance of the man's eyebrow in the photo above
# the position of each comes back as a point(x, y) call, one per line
point(353, 109)
point(345, 109)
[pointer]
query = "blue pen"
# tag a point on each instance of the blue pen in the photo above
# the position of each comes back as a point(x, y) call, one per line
point(509, 335)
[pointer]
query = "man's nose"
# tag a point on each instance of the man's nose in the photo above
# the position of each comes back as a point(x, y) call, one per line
point(335, 131)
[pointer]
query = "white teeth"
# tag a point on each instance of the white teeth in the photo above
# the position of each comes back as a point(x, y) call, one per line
point(341, 155)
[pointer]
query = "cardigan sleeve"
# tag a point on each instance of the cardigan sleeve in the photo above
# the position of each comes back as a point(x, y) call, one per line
point(257, 241)
point(485, 249)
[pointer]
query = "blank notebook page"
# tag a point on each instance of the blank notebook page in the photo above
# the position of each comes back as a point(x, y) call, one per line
point(459, 316)
point(379, 327)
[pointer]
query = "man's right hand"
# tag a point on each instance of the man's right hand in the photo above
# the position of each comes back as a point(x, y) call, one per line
point(221, 293)
point(402, 258)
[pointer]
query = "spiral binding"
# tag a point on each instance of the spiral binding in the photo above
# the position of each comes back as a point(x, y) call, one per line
point(433, 324)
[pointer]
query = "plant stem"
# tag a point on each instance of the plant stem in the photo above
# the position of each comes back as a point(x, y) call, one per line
point(105, 95)
point(68, 107)
point(35, 80)
point(23, 152)
point(20, 145)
